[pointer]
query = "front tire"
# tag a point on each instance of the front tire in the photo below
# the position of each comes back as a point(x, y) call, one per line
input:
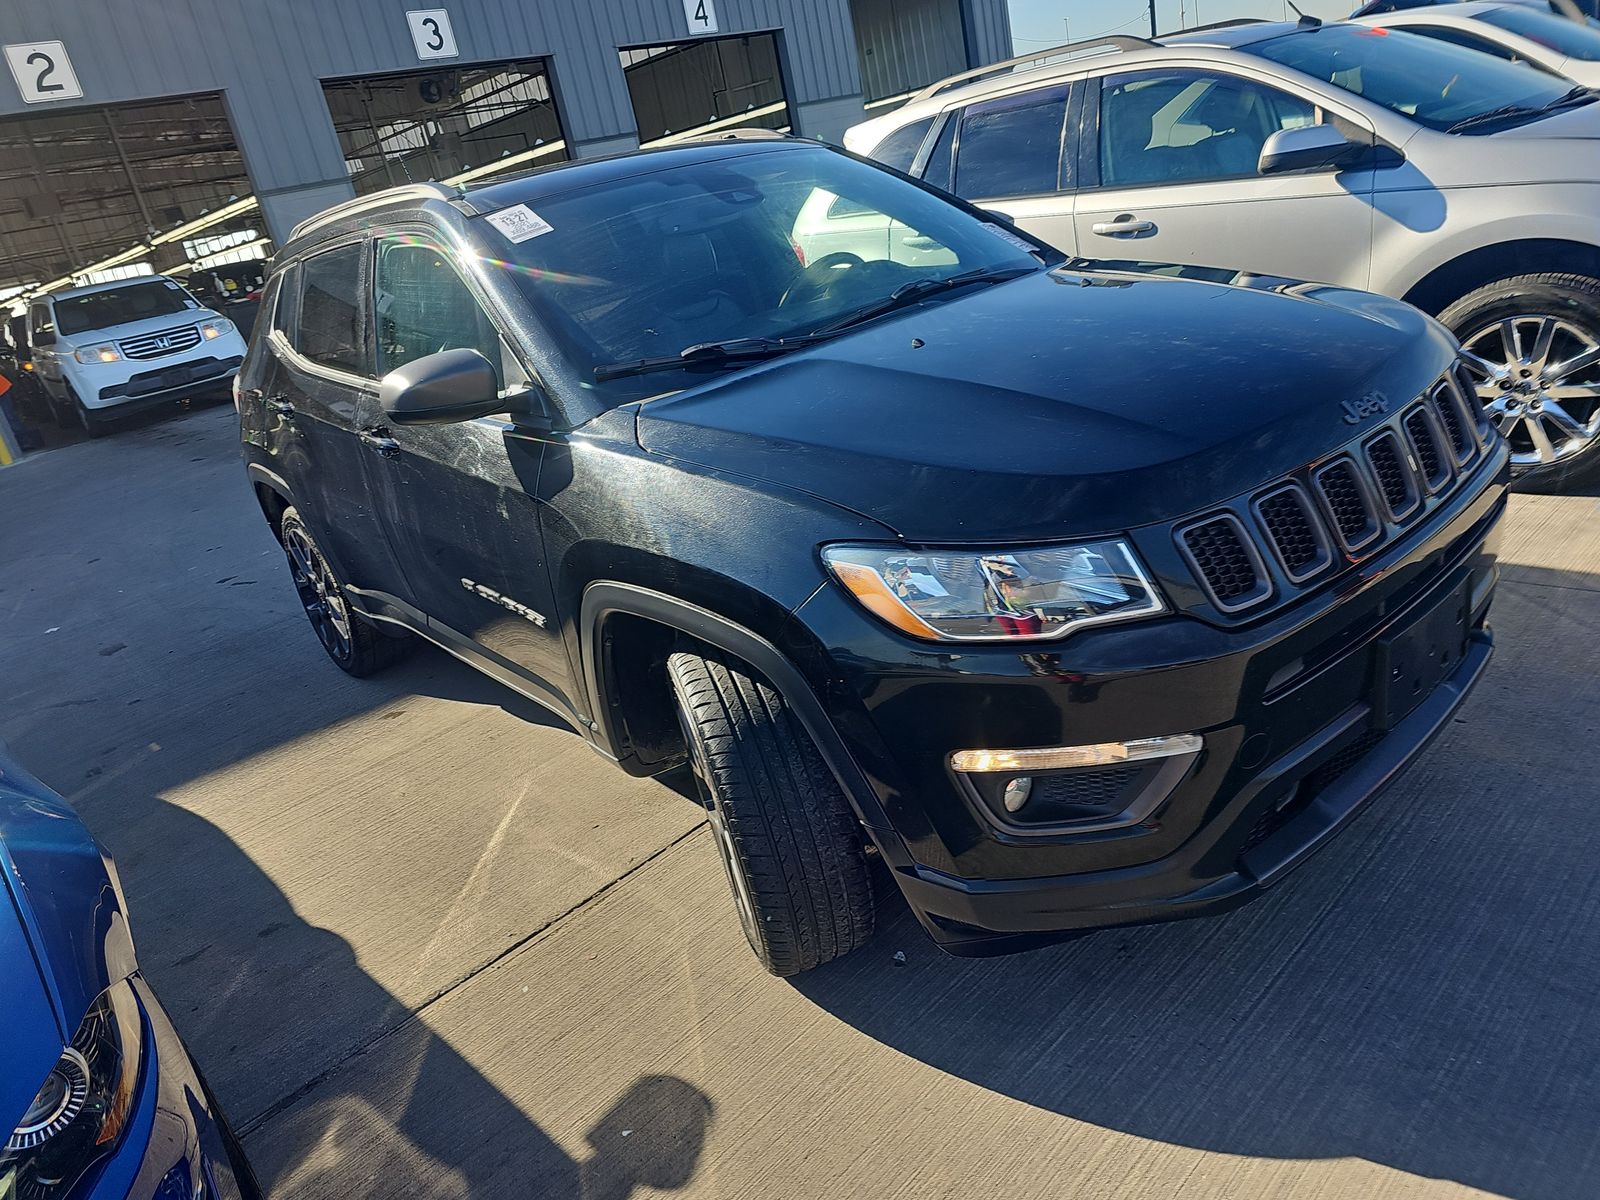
point(354, 644)
point(1532, 344)
point(92, 424)
point(790, 845)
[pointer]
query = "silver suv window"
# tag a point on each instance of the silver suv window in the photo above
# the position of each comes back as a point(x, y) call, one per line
point(1433, 83)
point(1012, 146)
point(1187, 126)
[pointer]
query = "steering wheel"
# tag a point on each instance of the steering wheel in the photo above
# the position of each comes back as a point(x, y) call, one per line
point(810, 280)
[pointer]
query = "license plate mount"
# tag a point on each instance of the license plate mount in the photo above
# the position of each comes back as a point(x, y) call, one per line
point(1410, 662)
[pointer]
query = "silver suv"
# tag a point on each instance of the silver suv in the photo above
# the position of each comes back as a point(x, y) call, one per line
point(1342, 153)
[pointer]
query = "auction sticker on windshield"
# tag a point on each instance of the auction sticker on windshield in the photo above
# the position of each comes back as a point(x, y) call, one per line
point(519, 222)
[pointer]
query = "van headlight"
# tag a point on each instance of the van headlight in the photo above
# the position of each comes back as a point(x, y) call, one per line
point(963, 595)
point(215, 329)
point(84, 1105)
point(106, 352)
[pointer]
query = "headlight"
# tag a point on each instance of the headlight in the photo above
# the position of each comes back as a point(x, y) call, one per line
point(215, 329)
point(84, 1105)
point(106, 352)
point(978, 596)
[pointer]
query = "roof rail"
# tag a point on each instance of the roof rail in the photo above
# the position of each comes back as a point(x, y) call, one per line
point(406, 191)
point(1115, 42)
point(1210, 25)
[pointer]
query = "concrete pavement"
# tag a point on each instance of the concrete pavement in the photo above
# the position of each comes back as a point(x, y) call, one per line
point(425, 943)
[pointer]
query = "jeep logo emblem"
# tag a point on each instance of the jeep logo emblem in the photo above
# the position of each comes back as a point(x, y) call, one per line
point(1370, 405)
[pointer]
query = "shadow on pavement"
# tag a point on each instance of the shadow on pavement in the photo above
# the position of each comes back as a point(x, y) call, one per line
point(1420, 995)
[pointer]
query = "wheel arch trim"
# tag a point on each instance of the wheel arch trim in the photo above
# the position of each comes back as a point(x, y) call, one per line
point(603, 600)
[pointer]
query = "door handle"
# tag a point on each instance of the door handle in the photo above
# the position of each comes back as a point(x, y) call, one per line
point(380, 441)
point(1127, 225)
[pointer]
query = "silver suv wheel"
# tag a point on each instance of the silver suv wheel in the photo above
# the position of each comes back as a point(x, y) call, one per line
point(1539, 379)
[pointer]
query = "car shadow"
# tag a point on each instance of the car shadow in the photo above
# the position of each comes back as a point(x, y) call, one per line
point(1419, 995)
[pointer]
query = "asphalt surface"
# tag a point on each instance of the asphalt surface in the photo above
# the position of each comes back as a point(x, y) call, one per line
point(426, 944)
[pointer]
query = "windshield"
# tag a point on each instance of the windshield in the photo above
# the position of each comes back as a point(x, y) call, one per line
point(1547, 29)
point(1434, 83)
point(768, 245)
point(120, 306)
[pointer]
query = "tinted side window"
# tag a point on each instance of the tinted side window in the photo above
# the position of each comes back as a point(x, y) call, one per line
point(899, 149)
point(1188, 126)
point(279, 307)
point(1012, 146)
point(424, 307)
point(42, 321)
point(330, 328)
point(937, 171)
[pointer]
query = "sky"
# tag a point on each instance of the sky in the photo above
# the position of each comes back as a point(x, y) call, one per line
point(1037, 24)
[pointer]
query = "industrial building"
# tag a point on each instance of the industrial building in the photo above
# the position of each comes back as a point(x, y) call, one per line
point(168, 135)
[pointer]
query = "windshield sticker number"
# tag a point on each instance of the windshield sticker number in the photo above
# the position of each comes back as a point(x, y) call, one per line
point(1005, 235)
point(519, 223)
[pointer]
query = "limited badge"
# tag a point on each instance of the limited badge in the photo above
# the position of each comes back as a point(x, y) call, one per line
point(519, 223)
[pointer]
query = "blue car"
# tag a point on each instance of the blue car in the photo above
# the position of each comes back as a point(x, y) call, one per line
point(101, 1097)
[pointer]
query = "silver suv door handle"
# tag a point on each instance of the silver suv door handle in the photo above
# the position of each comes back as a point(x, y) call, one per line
point(381, 442)
point(1124, 226)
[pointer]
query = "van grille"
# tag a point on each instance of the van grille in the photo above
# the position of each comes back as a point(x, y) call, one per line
point(1342, 510)
point(161, 343)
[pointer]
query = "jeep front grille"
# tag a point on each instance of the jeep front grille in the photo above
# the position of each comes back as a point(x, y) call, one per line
point(1294, 532)
point(161, 343)
point(1339, 511)
point(1222, 554)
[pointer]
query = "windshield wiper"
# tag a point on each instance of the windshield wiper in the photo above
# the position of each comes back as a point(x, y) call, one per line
point(919, 289)
point(706, 353)
point(1508, 112)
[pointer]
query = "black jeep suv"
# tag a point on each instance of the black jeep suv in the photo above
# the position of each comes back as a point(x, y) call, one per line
point(1079, 596)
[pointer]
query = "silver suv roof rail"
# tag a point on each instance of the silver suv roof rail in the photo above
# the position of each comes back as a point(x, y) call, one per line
point(406, 191)
point(1115, 42)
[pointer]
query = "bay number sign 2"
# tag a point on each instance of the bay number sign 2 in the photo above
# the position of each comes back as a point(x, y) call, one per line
point(43, 72)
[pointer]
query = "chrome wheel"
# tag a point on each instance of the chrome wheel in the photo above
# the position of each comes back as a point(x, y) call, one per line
point(320, 593)
point(1539, 380)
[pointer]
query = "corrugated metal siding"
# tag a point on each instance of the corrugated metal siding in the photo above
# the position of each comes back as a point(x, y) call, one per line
point(989, 31)
point(907, 44)
point(268, 57)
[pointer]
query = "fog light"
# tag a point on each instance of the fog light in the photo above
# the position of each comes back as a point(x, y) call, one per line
point(1017, 792)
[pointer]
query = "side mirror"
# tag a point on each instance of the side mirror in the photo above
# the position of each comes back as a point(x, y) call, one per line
point(42, 338)
point(1307, 148)
point(438, 389)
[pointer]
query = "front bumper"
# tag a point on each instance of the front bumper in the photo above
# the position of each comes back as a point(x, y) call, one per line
point(178, 1146)
point(1299, 737)
point(179, 381)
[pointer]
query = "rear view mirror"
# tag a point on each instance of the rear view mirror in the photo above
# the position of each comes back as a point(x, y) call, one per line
point(1310, 147)
point(43, 338)
point(453, 385)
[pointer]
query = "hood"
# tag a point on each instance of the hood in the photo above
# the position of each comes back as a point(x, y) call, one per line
point(116, 333)
point(63, 936)
point(1564, 146)
point(1065, 403)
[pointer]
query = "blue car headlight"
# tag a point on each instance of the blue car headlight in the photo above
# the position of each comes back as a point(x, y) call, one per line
point(82, 1108)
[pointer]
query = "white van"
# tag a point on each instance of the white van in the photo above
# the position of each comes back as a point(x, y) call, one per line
point(115, 347)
